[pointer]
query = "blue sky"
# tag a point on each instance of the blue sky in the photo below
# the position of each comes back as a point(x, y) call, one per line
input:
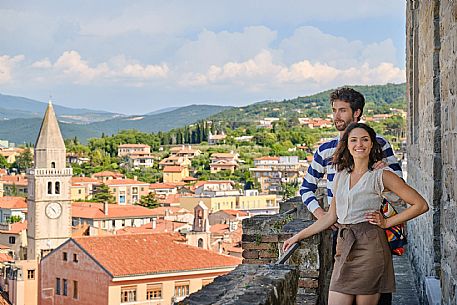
point(138, 56)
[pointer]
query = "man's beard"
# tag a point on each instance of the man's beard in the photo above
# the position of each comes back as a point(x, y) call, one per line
point(341, 125)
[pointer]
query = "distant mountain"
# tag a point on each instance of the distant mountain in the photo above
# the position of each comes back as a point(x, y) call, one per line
point(168, 109)
point(22, 131)
point(12, 107)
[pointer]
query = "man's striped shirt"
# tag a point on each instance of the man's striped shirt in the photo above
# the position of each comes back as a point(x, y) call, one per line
point(322, 165)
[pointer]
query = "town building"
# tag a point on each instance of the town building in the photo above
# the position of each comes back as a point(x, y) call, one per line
point(82, 188)
point(214, 139)
point(125, 150)
point(131, 268)
point(14, 185)
point(107, 175)
point(273, 172)
point(185, 151)
point(175, 161)
point(173, 174)
point(12, 207)
point(214, 188)
point(105, 218)
point(14, 235)
point(250, 202)
point(224, 162)
point(127, 191)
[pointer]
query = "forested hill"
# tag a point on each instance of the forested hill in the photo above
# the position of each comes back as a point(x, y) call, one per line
point(379, 99)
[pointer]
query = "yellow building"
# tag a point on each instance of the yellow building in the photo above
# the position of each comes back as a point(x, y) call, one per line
point(250, 202)
point(173, 174)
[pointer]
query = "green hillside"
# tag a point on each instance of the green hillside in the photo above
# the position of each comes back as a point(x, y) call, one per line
point(379, 99)
point(26, 130)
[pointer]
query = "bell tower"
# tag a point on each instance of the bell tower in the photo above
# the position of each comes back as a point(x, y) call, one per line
point(49, 198)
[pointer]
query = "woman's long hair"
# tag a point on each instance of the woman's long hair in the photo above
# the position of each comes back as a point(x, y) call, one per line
point(342, 158)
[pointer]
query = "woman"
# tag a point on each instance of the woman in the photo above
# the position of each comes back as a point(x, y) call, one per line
point(363, 266)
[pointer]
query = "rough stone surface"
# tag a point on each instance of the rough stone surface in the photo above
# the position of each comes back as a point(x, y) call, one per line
point(250, 285)
point(431, 28)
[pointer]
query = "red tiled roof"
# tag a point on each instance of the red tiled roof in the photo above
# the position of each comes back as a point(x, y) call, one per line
point(10, 202)
point(113, 182)
point(107, 174)
point(189, 179)
point(80, 180)
point(172, 169)
point(267, 158)
point(162, 226)
point(18, 180)
point(236, 212)
point(219, 228)
point(133, 145)
point(223, 155)
point(16, 228)
point(3, 247)
point(155, 186)
point(94, 210)
point(170, 198)
point(5, 257)
point(200, 183)
point(130, 254)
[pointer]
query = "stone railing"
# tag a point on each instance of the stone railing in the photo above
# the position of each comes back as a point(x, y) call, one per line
point(51, 172)
point(304, 280)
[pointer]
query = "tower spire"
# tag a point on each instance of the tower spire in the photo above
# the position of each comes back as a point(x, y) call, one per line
point(50, 147)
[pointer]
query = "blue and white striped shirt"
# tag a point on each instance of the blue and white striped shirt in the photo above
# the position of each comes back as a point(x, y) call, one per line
point(322, 165)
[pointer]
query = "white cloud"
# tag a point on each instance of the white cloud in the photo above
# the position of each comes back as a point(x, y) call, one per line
point(149, 71)
point(42, 64)
point(75, 68)
point(7, 64)
point(261, 72)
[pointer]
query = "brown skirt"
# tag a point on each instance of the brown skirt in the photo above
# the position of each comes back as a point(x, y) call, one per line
point(363, 261)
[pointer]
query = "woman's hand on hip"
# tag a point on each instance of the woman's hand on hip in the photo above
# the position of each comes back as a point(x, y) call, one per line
point(376, 218)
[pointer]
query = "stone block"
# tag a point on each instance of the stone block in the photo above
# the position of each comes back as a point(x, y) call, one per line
point(250, 254)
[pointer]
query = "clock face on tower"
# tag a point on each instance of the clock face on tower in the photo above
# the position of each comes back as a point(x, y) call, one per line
point(53, 210)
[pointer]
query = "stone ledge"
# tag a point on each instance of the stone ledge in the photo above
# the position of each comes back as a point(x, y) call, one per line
point(250, 284)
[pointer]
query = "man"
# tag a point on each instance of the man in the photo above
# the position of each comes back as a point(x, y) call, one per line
point(347, 108)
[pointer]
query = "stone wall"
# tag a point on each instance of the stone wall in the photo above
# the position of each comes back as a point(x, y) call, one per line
point(431, 39)
point(262, 240)
point(262, 243)
point(250, 284)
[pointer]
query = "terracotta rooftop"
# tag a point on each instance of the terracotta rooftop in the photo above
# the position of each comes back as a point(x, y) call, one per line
point(140, 254)
point(94, 210)
point(77, 180)
point(107, 174)
point(236, 212)
point(155, 186)
point(223, 155)
point(16, 228)
point(133, 145)
point(5, 257)
point(17, 179)
point(172, 169)
point(267, 158)
point(124, 182)
point(162, 226)
point(10, 202)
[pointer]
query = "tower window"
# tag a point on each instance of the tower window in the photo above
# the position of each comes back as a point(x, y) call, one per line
point(57, 188)
point(49, 187)
point(53, 165)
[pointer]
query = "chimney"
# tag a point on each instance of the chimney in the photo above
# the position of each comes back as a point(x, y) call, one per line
point(105, 207)
point(154, 222)
point(135, 178)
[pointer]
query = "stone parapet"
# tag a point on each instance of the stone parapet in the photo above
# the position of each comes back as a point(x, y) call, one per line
point(250, 284)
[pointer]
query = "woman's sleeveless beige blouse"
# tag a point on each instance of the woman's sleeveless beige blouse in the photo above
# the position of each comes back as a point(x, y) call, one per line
point(364, 197)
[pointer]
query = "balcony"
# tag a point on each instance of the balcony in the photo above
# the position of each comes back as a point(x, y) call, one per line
point(304, 279)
